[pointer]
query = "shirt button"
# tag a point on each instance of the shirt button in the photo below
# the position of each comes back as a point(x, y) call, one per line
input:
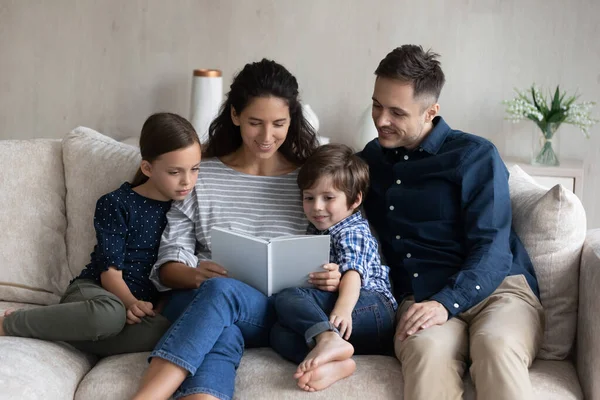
point(406, 157)
point(416, 275)
point(392, 208)
point(420, 149)
point(395, 151)
point(408, 255)
point(397, 236)
point(477, 287)
point(456, 305)
point(398, 181)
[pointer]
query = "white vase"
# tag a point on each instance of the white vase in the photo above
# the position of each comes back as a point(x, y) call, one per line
point(207, 95)
point(366, 129)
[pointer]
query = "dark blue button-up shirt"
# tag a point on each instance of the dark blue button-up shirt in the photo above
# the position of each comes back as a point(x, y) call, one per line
point(443, 216)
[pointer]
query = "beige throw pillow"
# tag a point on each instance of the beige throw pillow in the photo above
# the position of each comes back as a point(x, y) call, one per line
point(552, 225)
point(94, 165)
point(33, 258)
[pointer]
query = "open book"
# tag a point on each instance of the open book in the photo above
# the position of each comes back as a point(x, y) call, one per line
point(269, 265)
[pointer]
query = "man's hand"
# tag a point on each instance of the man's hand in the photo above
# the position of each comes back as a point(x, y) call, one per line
point(328, 280)
point(137, 310)
point(207, 270)
point(421, 316)
point(342, 320)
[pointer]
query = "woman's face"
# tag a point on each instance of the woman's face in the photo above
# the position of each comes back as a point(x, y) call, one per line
point(264, 125)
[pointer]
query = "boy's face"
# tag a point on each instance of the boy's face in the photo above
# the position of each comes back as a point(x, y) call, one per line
point(325, 206)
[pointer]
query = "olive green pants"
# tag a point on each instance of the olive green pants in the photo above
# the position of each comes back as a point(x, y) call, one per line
point(89, 318)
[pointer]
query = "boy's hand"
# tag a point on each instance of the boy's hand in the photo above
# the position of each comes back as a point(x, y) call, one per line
point(137, 310)
point(328, 280)
point(342, 320)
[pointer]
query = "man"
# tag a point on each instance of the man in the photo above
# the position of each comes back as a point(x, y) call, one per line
point(440, 204)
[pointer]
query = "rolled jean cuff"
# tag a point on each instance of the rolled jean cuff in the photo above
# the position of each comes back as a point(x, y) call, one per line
point(173, 360)
point(200, 390)
point(316, 330)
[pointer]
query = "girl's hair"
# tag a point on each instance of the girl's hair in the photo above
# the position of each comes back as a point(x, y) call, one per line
point(262, 79)
point(163, 133)
point(348, 172)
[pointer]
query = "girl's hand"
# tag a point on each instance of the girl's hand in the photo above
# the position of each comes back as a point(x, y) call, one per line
point(207, 270)
point(328, 280)
point(137, 310)
point(342, 321)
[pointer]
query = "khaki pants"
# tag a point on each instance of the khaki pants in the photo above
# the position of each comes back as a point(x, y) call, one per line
point(500, 336)
point(89, 318)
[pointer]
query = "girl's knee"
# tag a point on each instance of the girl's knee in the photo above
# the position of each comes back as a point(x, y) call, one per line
point(107, 317)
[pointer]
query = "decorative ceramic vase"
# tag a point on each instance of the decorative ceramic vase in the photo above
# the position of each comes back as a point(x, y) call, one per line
point(544, 145)
point(207, 95)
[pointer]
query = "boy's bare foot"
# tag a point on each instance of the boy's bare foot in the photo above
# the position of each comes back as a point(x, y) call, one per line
point(326, 375)
point(330, 347)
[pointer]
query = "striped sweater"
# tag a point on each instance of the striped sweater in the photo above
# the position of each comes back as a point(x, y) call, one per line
point(263, 206)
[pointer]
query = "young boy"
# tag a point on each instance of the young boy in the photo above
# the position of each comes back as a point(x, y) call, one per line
point(321, 330)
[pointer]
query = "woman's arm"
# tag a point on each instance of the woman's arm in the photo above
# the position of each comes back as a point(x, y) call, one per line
point(177, 275)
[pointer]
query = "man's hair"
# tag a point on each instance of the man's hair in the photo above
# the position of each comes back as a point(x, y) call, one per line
point(349, 173)
point(411, 64)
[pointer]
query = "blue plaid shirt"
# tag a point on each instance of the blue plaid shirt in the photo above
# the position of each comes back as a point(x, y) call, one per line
point(353, 247)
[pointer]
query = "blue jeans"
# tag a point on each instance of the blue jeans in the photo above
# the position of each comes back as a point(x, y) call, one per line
point(213, 324)
point(303, 313)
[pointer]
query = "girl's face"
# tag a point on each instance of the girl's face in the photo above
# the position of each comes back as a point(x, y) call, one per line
point(264, 125)
point(173, 175)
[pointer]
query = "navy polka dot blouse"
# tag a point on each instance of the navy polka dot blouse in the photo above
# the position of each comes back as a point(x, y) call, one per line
point(128, 230)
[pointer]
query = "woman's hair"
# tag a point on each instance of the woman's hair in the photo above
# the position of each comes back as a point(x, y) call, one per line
point(265, 78)
point(163, 133)
point(348, 172)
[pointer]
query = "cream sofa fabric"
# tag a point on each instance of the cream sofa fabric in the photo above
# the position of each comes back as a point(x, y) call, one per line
point(95, 164)
point(552, 225)
point(32, 221)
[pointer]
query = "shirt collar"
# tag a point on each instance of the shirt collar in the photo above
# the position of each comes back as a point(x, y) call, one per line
point(435, 139)
point(350, 220)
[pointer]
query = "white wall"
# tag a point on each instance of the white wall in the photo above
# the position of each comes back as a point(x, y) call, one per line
point(108, 64)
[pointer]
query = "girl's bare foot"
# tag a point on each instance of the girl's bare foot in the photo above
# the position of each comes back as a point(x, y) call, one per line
point(330, 347)
point(9, 311)
point(326, 375)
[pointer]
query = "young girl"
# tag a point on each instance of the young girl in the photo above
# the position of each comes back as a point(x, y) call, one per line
point(248, 181)
point(321, 330)
point(110, 308)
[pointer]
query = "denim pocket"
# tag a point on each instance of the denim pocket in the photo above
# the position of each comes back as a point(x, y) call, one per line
point(372, 324)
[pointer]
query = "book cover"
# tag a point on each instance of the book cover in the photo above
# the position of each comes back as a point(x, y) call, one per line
point(269, 265)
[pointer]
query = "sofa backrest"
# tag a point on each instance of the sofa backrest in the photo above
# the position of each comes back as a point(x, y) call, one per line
point(33, 257)
point(94, 165)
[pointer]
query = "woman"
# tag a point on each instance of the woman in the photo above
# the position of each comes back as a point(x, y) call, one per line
point(247, 182)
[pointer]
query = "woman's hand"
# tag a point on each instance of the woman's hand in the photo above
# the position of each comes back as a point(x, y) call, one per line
point(328, 280)
point(207, 270)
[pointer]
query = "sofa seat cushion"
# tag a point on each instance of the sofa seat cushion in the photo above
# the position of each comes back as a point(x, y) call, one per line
point(33, 255)
point(265, 375)
point(32, 369)
point(552, 226)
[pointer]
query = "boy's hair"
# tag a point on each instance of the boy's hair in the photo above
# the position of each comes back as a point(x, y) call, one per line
point(349, 173)
point(411, 64)
point(163, 133)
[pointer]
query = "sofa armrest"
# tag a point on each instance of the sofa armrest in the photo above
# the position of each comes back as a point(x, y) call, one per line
point(588, 318)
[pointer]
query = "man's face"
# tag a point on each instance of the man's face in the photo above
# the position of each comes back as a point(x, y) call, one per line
point(400, 119)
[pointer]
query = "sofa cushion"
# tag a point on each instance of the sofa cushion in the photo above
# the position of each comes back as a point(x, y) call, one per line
point(33, 258)
point(32, 369)
point(265, 375)
point(552, 225)
point(94, 165)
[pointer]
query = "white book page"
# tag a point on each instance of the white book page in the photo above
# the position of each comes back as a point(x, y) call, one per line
point(244, 257)
point(292, 260)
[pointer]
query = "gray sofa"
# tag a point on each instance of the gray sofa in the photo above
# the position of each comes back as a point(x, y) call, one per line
point(49, 189)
